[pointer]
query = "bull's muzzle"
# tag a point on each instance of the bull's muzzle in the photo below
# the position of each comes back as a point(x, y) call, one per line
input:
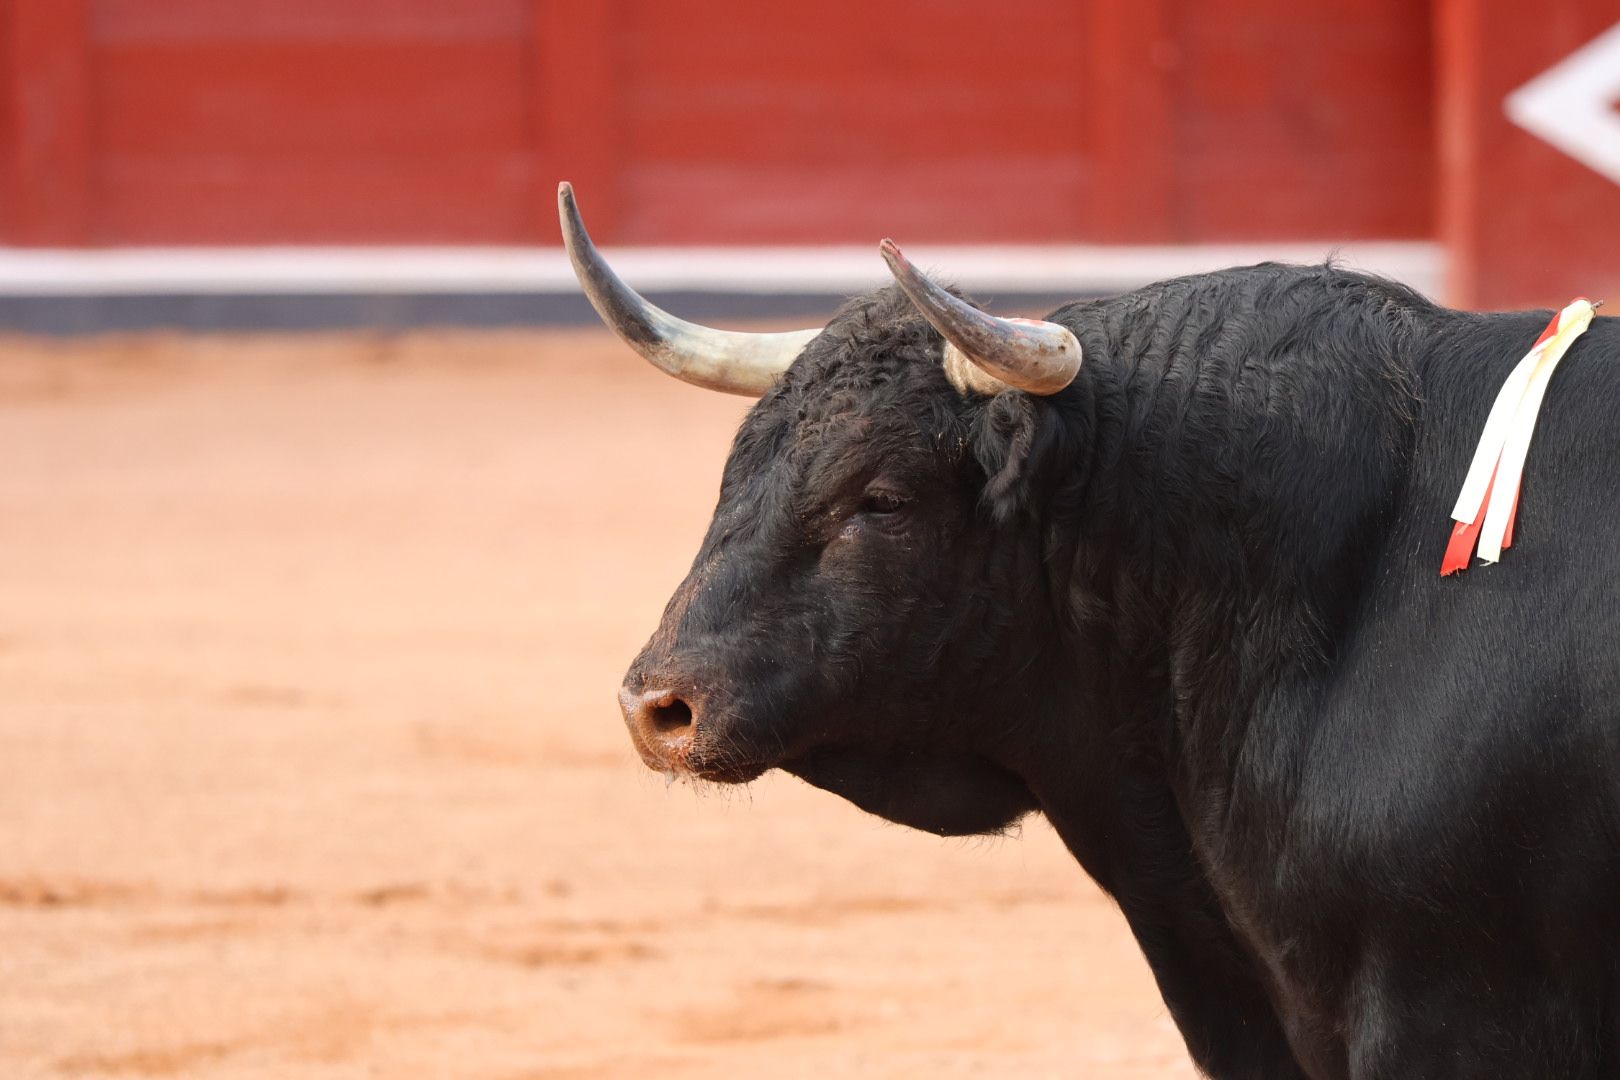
point(663, 722)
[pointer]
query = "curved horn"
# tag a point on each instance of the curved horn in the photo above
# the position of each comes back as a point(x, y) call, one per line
point(716, 359)
point(1040, 357)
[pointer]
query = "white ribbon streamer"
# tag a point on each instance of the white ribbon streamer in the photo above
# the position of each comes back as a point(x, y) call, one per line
point(1505, 442)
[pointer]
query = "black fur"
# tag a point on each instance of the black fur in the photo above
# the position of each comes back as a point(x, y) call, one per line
point(1364, 821)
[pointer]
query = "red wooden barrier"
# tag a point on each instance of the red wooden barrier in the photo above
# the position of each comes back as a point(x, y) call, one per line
point(1524, 221)
point(1026, 120)
point(295, 121)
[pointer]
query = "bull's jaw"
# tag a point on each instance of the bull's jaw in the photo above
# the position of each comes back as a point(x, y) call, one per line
point(697, 760)
point(945, 794)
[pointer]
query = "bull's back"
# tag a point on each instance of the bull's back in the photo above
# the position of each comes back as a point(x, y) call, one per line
point(1473, 721)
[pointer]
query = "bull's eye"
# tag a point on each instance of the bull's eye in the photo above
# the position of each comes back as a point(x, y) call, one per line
point(876, 512)
point(879, 503)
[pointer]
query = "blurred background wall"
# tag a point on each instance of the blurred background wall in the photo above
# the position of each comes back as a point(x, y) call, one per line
point(1078, 133)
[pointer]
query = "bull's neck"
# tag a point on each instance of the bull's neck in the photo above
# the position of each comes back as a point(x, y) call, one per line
point(1243, 461)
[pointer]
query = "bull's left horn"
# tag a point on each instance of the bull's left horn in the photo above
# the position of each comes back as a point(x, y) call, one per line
point(716, 359)
point(1027, 354)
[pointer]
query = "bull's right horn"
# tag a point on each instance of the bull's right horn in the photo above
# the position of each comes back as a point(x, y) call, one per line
point(716, 359)
point(1026, 354)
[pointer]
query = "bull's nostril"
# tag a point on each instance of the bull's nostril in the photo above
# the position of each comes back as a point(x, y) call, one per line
point(670, 716)
point(663, 723)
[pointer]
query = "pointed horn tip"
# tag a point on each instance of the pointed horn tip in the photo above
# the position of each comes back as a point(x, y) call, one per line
point(891, 251)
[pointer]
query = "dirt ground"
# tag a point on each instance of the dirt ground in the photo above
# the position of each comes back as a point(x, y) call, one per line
point(310, 764)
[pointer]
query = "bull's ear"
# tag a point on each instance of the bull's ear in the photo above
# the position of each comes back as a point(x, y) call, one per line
point(1025, 447)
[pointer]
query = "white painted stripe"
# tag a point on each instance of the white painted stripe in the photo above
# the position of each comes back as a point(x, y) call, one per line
point(1059, 269)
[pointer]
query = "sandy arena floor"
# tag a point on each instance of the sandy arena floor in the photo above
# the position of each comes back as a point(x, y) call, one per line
point(310, 764)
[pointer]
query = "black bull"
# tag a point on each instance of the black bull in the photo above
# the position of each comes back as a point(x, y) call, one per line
point(1364, 821)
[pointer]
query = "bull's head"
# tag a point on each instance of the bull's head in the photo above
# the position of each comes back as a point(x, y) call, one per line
point(868, 609)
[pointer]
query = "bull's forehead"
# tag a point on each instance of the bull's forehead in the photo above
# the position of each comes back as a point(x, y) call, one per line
point(871, 341)
point(868, 392)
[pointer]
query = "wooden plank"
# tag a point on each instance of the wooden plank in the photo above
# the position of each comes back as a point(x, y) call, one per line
point(8, 127)
point(47, 156)
point(1132, 61)
point(249, 101)
point(329, 21)
point(1457, 41)
point(423, 198)
point(578, 130)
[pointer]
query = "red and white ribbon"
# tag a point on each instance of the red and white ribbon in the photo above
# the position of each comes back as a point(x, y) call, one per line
point(1489, 501)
